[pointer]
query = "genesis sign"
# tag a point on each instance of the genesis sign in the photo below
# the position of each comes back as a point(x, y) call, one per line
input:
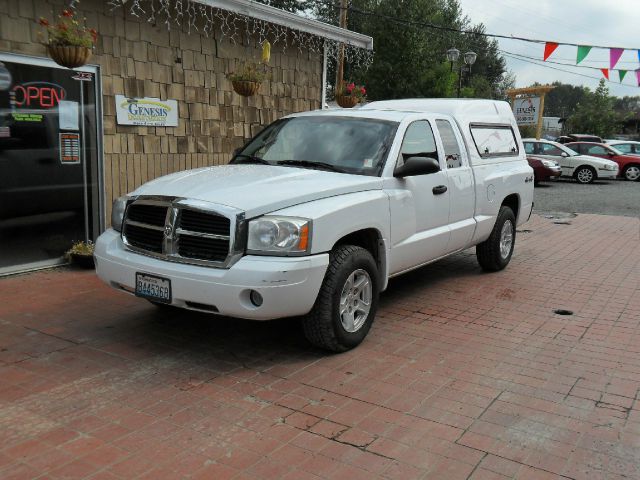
point(526, 110)
point(151, 112)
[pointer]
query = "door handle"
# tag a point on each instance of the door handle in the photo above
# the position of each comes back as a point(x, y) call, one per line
point(439, 190)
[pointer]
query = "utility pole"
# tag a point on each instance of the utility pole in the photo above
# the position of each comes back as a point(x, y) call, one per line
point(343, 24)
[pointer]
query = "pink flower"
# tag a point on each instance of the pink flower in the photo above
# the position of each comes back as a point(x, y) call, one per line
point(67, 13)
point(44, 22)
point(363, 91)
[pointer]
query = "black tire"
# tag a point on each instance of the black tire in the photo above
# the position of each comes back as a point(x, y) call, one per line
point(585, 174)
point(488, 252)
point(323, 326)
point(631, 173)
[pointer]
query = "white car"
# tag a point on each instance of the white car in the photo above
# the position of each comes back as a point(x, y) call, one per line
point(627, 147)
point(318, 211)
point(583, 168)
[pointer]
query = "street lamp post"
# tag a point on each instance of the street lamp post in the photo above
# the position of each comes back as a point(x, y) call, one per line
point(469, 59)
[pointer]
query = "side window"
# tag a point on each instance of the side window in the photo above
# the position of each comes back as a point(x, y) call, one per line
point(528, 147)
point(623, 147)
point(596, 150)
point(494, 140)
point(418, 142)
point(450, 144)
point(576, 147)
point(548, 149)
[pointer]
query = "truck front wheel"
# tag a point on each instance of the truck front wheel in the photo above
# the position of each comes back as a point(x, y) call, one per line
point(495, 252)
point(347, 301)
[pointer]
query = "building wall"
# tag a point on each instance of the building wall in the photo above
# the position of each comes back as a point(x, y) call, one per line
point(140, 59)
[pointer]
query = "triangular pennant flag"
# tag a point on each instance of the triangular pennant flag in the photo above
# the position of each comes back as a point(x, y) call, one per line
point(638, 77)
point(549, 48)
point(583, 51)
point(622, 73)
point(605, 72)
point(614, 56)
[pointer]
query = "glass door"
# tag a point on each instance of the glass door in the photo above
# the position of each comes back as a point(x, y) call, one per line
point(49, 177)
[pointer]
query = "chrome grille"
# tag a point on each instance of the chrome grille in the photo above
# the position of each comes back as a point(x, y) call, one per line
point(181, 230)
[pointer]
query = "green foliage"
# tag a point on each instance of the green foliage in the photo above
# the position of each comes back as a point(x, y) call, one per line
point(68, 31)
point(410, 60)
point(249, 72)
point(527, 131)
point(595, 114)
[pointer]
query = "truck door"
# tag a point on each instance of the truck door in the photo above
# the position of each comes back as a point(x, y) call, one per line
point(419, 205)
point(461, 186)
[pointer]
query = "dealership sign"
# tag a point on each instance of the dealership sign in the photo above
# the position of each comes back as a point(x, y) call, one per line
point(151, 112)
point(526, 110)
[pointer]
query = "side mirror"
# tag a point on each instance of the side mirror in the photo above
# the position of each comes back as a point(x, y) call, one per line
point(564, 154)
point(417, 166)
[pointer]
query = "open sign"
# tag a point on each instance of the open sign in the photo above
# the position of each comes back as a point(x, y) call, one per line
point(38, 95)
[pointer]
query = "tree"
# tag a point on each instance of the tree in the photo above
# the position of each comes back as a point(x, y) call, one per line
point(410, 58)
point(595, 114)
point(563, 100)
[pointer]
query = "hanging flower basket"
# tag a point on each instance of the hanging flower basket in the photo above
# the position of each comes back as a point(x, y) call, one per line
point(69, 56)
point(347, 101)
point(69, 43)
point(245, 88)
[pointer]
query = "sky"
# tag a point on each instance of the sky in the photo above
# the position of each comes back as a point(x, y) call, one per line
point(614, 23)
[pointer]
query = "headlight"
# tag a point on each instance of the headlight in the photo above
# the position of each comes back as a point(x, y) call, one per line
point(117, 213)
point(270, 235)
point(549, 163)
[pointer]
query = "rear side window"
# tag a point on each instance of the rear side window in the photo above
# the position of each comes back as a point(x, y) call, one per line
point(450, 144)
point(494, 140)
point(623, 147)
point(528, 147)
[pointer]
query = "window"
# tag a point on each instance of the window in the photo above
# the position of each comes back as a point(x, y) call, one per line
point(623, 147)
point(494, 140)
point(450, 144)
point(529, 147)
point(549, 149)
point(596, 150)
point(418, 142)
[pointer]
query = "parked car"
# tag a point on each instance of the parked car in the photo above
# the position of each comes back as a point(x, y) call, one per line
point(583, 168)
point(629, 165)
point(320, 209)
point(578, 137)
point(543, 169)
point(627, 147)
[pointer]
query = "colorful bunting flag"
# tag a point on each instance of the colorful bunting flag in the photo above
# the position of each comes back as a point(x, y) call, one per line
point(605, 72)
point(638, 77)
point(622, 73)
point(583, 51)
point(549, 48)
point(614, 56)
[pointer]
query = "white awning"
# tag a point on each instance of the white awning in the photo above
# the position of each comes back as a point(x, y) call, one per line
point(274, 15)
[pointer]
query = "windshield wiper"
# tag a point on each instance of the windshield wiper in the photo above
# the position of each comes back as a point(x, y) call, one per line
point(310, 164)
point(244, 158)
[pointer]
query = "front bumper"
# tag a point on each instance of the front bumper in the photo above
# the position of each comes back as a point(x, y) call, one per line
point(603, 173)
point(288, 285)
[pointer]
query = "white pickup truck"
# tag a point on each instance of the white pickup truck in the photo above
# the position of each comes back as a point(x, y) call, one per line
point(316, 213)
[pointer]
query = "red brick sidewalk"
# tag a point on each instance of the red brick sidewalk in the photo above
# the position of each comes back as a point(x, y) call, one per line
point(464, 375)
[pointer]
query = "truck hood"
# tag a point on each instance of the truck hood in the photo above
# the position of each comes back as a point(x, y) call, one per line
point(257, 189)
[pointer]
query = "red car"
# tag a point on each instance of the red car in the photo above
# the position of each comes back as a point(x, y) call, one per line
point(543, 168)
point(629, 164)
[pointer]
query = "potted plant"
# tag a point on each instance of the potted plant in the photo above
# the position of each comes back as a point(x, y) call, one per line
point(69, 43)
point(348, 94)
point(81, 254)
point(247, 80)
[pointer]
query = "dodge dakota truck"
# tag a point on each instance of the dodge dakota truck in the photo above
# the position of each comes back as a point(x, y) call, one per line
point(316, 213)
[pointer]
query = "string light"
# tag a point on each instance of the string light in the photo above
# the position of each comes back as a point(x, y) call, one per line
point(235, 27)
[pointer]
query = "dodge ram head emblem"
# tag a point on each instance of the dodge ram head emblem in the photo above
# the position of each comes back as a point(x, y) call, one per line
point(168, 231)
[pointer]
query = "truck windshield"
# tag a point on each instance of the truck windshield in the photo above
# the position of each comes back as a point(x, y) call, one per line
point(342, 144)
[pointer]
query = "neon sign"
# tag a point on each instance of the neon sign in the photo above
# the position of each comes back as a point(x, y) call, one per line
point(38, 95)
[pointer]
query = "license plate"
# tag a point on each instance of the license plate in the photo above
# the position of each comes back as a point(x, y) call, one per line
point(154, 288)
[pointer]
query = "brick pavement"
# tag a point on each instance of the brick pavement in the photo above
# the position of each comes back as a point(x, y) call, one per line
point(464, 376)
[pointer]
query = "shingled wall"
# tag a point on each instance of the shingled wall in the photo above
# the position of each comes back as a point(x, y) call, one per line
point(139, 59)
